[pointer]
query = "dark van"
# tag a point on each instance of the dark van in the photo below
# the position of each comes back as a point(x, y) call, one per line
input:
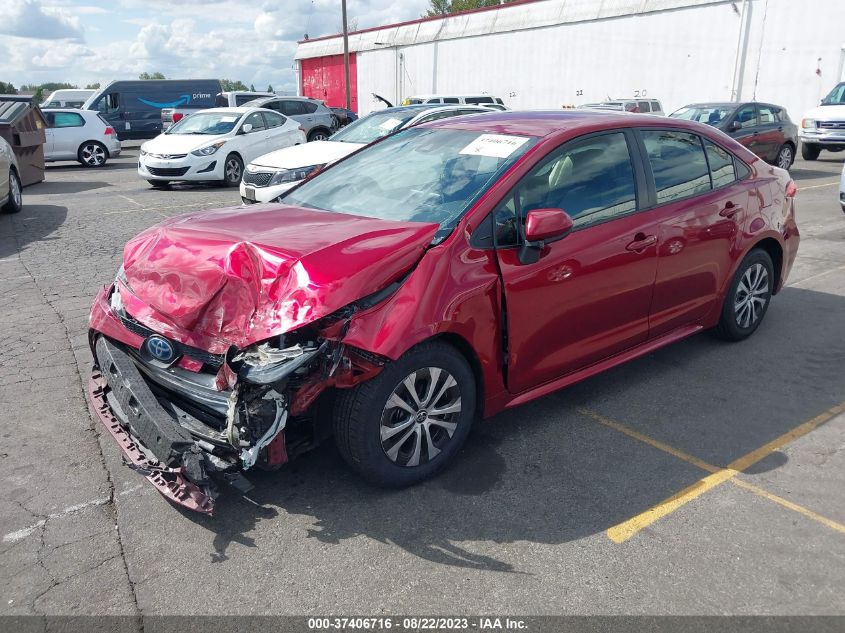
point(133, 108)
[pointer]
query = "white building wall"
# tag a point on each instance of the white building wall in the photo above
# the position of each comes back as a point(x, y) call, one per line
point(679, 51)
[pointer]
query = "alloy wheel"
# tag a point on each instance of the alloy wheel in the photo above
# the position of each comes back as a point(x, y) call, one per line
point(93, 155)
point(785, 157)
point(319, 136)
point(233, 170)
point(15, 190)
point(751, 297)
point(420, 417)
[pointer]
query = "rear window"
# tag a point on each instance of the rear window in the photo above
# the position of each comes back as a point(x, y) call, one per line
point(220, 101)
point(309, 106)
point(478, 100)
point(678, 163)
point(451, 100)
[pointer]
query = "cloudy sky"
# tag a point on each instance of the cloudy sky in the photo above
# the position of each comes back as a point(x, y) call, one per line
point(83, 41)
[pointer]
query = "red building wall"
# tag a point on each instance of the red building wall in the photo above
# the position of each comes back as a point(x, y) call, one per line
point(322, 78)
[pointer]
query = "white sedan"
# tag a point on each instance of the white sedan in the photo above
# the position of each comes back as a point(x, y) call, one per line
point(215, 144)
point(268, 177)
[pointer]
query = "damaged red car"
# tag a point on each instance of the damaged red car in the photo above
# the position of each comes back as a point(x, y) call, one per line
point(438, 276)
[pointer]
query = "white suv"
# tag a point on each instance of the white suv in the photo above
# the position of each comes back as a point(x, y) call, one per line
point(824, 127)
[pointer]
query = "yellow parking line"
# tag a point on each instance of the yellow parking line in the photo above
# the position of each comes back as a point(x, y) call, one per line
point(788, 504)
point(625, 530)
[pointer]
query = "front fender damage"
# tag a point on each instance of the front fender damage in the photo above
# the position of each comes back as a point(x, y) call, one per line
point(184, 449)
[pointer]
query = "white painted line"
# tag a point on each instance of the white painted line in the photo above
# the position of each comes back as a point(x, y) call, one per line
point(798, 283)
point(827, 184)
point(138, 204)
point(17, 535)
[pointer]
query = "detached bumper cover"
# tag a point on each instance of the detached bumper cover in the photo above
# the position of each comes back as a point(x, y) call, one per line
point(170, 482)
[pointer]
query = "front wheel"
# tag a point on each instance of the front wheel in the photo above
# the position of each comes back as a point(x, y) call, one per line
point(409, 421)
point(810, 151)
point(15, 202)
point(92, 154)
point(785, 157)
point(748, 297)
point(233, 170)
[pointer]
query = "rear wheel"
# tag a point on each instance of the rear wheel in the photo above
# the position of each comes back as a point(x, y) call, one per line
point(233, 169)
point(318, 135)
point(785, 157)
point(409, 421)
point(810, 151)
point(748, 297)
point(15, 202)
point(92, 154)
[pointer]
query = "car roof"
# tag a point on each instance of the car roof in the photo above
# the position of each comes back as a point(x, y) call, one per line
point(232, 110)
point(552, 122)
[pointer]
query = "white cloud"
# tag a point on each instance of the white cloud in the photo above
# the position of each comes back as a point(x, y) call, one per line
point(31, 19)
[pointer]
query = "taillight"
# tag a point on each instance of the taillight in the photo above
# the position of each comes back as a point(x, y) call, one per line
point(109, 131)
point(176, 117)
point(791, 189)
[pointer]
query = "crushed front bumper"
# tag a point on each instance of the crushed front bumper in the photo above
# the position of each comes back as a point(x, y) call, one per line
point(170, 482)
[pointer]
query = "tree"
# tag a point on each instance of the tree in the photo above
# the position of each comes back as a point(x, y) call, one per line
point(7, 89)
point(56, 85)
point(445, 7)
point(270, 88)
point(155, 75)
point(228, 85)
point(252, 87)
point(38, 97)
point(93, 86)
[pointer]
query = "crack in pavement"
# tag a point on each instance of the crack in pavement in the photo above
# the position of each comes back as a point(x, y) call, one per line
point(109, 500)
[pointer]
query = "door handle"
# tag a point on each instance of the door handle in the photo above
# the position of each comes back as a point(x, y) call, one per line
point(730, 210)
point(641, 242)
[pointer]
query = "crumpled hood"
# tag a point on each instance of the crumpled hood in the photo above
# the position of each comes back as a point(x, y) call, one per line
point(237, 276)
point(826, 113)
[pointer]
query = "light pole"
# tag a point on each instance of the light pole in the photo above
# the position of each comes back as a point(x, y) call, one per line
point(346, 56)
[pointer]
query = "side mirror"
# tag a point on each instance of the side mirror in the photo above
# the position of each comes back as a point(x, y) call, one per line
point(246, 128)
point(736, 126)
point(541, 227)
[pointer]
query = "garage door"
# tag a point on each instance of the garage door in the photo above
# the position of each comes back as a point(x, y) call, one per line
point(322, 78)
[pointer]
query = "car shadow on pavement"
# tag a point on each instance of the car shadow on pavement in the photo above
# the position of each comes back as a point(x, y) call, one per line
point(548, 472)
point(34, 223)
point(49, 187)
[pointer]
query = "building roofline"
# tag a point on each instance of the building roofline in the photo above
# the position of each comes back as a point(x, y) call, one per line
point(432, 18)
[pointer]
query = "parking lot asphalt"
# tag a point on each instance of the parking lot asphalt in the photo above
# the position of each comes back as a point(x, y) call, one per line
point(705, 478)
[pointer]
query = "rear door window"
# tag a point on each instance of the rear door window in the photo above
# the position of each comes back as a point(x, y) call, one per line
point(67, 119)
point(274, 119)
point(293, 108)
point(678, 164)
point(767, 115)
point(310, 107)
point(644, 106)
point(655, 106)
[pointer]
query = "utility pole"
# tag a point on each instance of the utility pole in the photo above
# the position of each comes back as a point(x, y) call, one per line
point(346, 56)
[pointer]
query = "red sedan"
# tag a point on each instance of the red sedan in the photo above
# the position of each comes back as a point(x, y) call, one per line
point(438, 276)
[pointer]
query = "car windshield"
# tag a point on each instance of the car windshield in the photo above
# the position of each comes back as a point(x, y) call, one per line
point(712, 115)
point(374, 126)
point(836, 96)
point(206, 123)
point(418, 175)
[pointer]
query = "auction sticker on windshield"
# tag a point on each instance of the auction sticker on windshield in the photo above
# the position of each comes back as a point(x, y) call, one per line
point(389, 124)
point(494, 145)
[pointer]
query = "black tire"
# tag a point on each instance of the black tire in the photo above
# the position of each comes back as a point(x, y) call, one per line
point(732, 325)
point(159, 184)
point(810, 151)
point(233, 171)
point(92, 154)
point(785, 156)
point(358, 423)
point(318, 134)
point(15, 202)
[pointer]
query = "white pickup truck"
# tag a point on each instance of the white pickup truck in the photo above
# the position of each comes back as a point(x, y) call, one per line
point(823, 127)
point(229, 99)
